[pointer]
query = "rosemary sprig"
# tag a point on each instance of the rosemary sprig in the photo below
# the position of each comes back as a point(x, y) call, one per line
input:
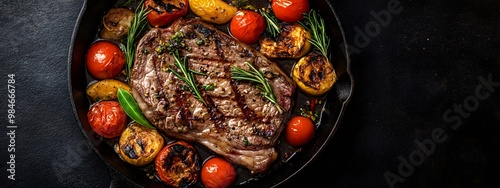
point(187, 75)
point(131, 108)
point(258, 77)
point(316, 26)
point(127, 3)
point(138, 24)
point(272, 23)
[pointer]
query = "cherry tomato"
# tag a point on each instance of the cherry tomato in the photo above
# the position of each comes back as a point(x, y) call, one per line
point(178, 164)
point(290, 10)
point(299, 131)
point(107, 119)
point(105, 60)
point(164, 12)
point(247, 25)
point(217, 172)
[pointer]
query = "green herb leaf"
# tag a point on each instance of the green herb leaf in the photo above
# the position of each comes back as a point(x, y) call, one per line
point(187, 76)
point(138, 24)
point(272, 23)
point(316, 26)
point(208, 87)
point(127, 3)
point(131, 108)
point(309, 114)
point(256, 76)
point(246, 141)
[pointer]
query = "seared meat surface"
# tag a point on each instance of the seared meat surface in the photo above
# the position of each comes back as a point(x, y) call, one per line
point(236, 121)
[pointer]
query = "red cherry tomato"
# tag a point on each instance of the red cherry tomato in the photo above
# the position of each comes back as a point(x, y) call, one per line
point(164, 12)
point(217, 172)
point(107, 119)
point(299, 131)
point(247, 25)
point(178, 164)
point(105, 60)
point(290, 10)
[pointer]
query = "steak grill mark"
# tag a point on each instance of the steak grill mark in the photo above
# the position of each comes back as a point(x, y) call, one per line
point(215, 114)
point(235, 121)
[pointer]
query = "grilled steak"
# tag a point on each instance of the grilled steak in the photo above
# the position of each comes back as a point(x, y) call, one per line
point(236, 121)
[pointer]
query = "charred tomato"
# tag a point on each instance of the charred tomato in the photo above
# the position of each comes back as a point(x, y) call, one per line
point(247, 25)
point(107, 118)
point(164, 12)
point(178, 164)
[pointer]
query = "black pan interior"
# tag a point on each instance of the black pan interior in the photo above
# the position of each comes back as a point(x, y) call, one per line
point(337, 99)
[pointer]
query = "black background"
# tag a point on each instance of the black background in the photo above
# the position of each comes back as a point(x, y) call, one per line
point(427, 60)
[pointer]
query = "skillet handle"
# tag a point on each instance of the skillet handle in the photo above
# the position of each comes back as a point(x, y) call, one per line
point(345, 86)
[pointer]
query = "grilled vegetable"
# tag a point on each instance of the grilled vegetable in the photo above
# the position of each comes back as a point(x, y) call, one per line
point(105, 89)
point(314, 74)
point(292, 42)
point(217, 172)
point(105, 60)
point(178, 164)
point(299, 131)
point(213, 11)
point(107, 119)
point(139, 145)
point(290, 10)
point(164, 12)
point(316, 26)
point(247, 25)
point(116, 23)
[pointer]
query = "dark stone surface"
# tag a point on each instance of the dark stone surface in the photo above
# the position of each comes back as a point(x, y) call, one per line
point(411, 79)
point(50, 150)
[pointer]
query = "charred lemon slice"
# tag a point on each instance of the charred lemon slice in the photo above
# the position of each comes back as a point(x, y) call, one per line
point(314, 74)
point(139, 145)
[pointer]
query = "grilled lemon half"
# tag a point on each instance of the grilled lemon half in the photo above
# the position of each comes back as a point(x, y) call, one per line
point(139, 145)
point(314, 74)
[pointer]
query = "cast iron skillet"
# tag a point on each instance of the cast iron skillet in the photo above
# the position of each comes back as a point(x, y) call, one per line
point(124, 174)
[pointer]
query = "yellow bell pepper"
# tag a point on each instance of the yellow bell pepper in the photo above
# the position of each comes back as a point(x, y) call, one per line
point(213, 11)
